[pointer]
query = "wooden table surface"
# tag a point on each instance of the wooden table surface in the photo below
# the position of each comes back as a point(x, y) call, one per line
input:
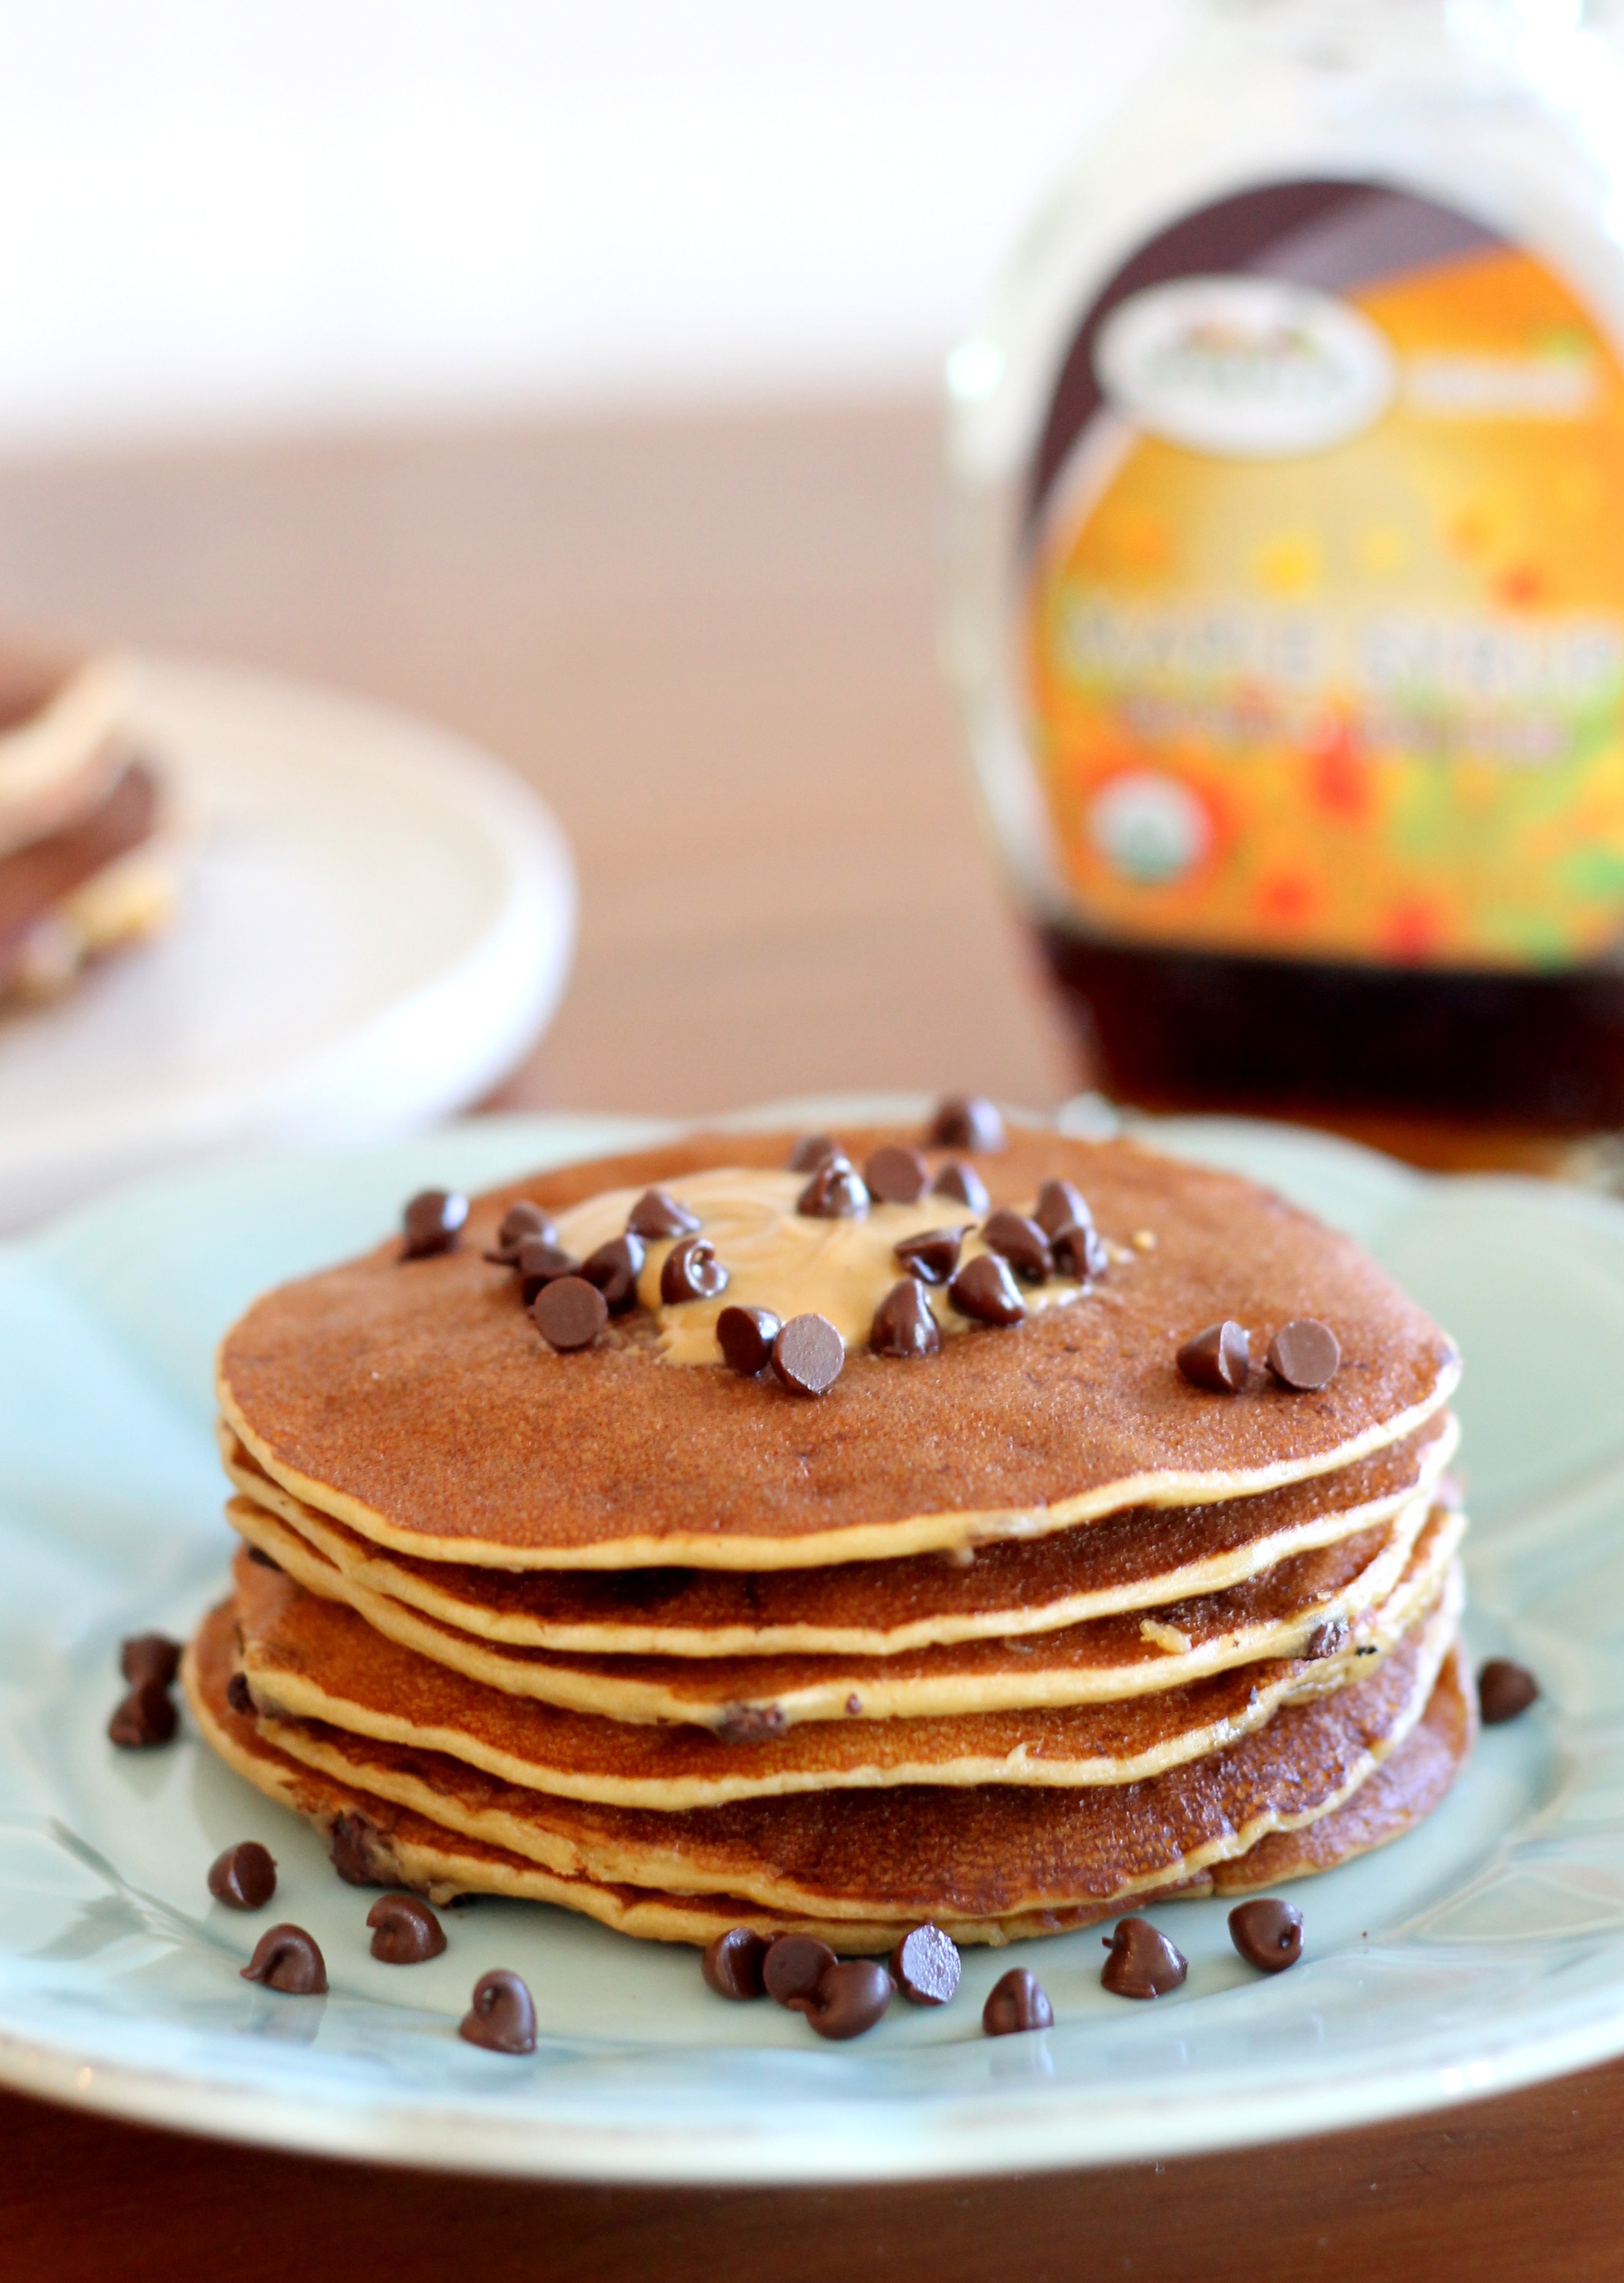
point(709, 642)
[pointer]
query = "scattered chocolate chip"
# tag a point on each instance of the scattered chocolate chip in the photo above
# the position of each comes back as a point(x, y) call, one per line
point(569, 1312)
point(932, 1256)
point(1218, 1359)
point(615, 1268)
point(244, 1877)
point(405, 1931)
point(285, 1958)
point(745, 1336)
point(925, 1965)
point(1504, 1690)
point(808, 1355)
point(1267, 1933)
point(1303, 1355)
point(433, 1222)
point(1018, 2002)
point(1328, 1639)
point(266, 1561)
point(1079, 1251)
point(795, 1964)
point(1020, 1242)
point(854, 1705)
point(896, 1175)
point(903, 1324)
point(967, 1121)
point(1061, 1205)
point(811, 1150)
point(751, 1724)
point(359, 1855)
point(542, 1262)
point(502, 2017)
point(834, 1192)
point(732, 1964)
point(961, 1181)
point(692, 1272)
point(239, 1697)
point(985, 1291)
point(851, 1998)
point(149, 1656)
point(146, 1716)
point(521, 1221)
point(658, 1214)
point(1143, 1963)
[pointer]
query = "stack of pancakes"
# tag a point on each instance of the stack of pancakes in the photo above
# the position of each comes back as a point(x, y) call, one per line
point(1010, 1636)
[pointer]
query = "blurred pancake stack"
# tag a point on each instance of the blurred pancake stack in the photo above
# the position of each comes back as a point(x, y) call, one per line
point(835, 1533)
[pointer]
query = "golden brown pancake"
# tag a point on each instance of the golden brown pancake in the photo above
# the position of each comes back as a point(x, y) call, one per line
point(416, 1402)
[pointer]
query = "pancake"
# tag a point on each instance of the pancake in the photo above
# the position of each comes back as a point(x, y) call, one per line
point(1137, 1560)
point(1333, 1590)
point(415, 1403)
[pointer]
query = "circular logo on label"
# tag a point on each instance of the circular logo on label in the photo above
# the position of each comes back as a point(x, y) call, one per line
point(1246, 368)
point(1149, 828)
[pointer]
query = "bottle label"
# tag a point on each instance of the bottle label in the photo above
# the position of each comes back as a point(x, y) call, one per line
point(1325, 606)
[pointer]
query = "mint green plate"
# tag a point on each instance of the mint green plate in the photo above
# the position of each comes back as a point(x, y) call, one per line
point(1484, 1951)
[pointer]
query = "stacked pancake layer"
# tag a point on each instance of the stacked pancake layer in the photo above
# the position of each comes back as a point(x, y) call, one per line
point(1010, 1636)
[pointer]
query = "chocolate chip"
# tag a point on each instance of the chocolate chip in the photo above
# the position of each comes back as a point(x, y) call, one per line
point(244, 1877)
point(1303, 1355)
point(850, 1998)
point(967, 1121)
point(1267, 1933)
point(285, 1958)
point(834, 1193)
point(811, 1150)
point(903, 1324)
point(984, 1290)
point(1018, 2002)
point(896, 1175)
point(1143, 1963)
point(658, 1214)
point(925, 1965)
point(750, 1723)
point(1504, 1690)
point(1079, 1252)
point(808, 1355)
point(542, 1262)
point(795, 1964)
point(433, 1222)
point(692, 1272)
point(146, 1716)
point(1061, 1205)
point(963, 1182)
point(1218, 1359)
point(149, 1656)
point(405, 1931)
point(569, 1312)
point(745, 1336)
point(359, 1854)
point(615, 1268)
point(932, 1256)
point(732, 1964)
point(521, 1221)
point(502, 2017)
point(1328, 1639)
point(1020, 1242)
point(239, 1697)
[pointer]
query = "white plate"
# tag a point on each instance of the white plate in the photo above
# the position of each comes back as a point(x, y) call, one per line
point(375, 922)
point(1484, 1951)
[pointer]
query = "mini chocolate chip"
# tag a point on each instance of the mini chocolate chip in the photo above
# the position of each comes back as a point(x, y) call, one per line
point(854, 1704)
point(896, 1175)
point(433, 1222)
point(658, 1214)
point(1020, 1242)
point(1017, 2002)
point(932, 1256)
point(149, 1656)
point(750, 1723)
point(615, 1268)
point(1504, 1690)
point(239, 1697)
point(520, 1222)
point(359, 1854)
point(285, 1958)
point(903, 1324)
point(745, 1336)
point(808, 1355)
point(1219, 1359)
point(811, 1150)
point(1328, 1639)
point(967, 1121)
point(925, 1965)
point(1303, 1355)
point(502, 2017)
point(692, 1272)
point(850, 1998)
point(961, 1181)
point(1143, 1962)
point(542, 1262)
point(732, 1964)
point(569, 1312)
point(244, 1877)
point(834, 1192)
point(145, 1716)
point(1079, 1251)
point(794, 1965)
point(984, 1290)
point(405, 1931)
point(1267, 1933)
point(1061, 1205)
